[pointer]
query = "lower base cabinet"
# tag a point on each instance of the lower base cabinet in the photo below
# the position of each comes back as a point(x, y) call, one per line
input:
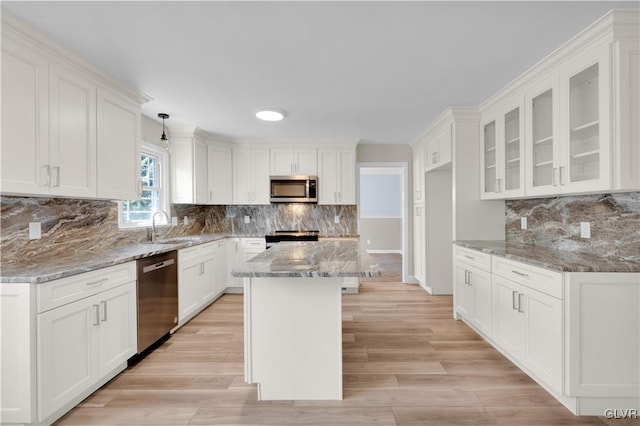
point(200, 278)
point(576, 334)
point(81, 342)
point(75, 334)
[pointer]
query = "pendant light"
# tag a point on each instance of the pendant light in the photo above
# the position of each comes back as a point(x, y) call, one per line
point(163, 139)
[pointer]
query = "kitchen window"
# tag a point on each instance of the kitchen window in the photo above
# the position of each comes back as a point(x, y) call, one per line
point(153, 173)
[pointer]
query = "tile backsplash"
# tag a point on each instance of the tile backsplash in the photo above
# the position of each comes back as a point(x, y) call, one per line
point(555, 222)
point(91, 226)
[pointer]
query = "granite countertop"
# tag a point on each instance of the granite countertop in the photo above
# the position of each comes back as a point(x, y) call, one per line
point(311, 259)
point(562, 261)
point(41, 271)
point(76, 263)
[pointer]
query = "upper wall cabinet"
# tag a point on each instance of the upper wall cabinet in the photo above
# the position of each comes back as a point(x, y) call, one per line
point(337, 176)
point(118, 142)
point(251, 176)
point(285, 162)
point(578, 113)
point(189, 175)
point(502, 152)
point(63, 133)
point(438, 150)
point(220, 174)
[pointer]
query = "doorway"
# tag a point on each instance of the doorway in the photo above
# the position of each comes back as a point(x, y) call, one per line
point(383, 210)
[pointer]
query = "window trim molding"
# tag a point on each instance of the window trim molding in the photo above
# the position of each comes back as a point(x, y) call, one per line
point(163, 162)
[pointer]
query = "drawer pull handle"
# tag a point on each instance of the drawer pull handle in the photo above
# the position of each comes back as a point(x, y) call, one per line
point(469, 257)
point(104, 280)
point(104, 310)
point(97, 314)
point(520, 302)
point(520, 273)
point(514, 300)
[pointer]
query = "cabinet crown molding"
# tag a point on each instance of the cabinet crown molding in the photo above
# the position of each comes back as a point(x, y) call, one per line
point(448, 116)
point(19, 30)
point(615, 23)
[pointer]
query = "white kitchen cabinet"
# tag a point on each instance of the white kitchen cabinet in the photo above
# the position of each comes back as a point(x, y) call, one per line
point(25, 120)
point(336, 176)
point(503, 151)
point(199, 279)
point(81, 343)
point(542, 143)
point(286, 162)
point(118, 147)
point(603, 337)
point(419, 244)
point(232, 259)
point(473, 296)
point(438, 150)
point(72, 133)
point(250, 248)
point(585, 126)
point(528, 325)
point(251, 183)
point(49, 127)
point(580, 115)
point(419, 153)
point(189, 174)
point(220, 174)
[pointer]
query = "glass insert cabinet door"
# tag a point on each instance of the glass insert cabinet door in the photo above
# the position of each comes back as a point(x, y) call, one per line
point(490, 158)
point(542, 138)
point(511, 151)
point(584, 126)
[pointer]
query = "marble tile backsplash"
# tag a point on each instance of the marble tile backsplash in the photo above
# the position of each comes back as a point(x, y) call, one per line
point(555, 222)
point(91, 226)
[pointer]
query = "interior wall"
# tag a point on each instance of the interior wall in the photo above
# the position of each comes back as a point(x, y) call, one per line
point(382, 235)
point(151, 130)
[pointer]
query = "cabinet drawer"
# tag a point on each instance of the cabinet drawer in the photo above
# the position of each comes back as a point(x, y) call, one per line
point(188, 255)
point(253, 243)
point(473, 257)
point(66, 290)
point(543, 280)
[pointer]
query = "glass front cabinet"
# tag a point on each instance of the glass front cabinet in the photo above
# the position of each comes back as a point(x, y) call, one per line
point(502, 153)
point(576, 129)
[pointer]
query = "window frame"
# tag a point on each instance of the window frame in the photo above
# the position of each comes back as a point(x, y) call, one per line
point(162, 175)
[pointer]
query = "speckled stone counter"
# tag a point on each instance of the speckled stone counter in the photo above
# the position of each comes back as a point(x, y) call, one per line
point(48, 269)
point(562, 261)
point(311, 259)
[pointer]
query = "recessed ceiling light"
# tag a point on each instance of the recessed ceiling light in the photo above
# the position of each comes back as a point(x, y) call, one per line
point(270, 114)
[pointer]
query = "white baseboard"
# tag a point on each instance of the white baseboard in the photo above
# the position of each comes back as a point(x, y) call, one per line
point(412, 280)
point(385, 251)
point(234, 290)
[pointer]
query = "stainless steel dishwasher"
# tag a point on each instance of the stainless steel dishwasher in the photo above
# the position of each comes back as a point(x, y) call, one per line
point(157, 297)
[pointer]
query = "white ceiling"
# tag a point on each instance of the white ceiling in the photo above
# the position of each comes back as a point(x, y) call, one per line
point(375, 71)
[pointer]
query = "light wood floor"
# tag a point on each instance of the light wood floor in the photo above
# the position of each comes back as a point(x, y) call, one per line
point(406, 362)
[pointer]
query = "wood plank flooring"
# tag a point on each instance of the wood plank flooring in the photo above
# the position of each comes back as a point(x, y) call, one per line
point(406, 362)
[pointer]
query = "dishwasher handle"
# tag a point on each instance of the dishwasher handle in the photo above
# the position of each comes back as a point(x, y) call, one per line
point(158, 265)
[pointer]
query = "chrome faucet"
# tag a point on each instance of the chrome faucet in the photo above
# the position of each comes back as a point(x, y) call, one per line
point(153, 223)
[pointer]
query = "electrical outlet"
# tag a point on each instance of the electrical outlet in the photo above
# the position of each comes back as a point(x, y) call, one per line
point(336, 219)
point(368, 241)
point(523, 223)
point(174, 221)
point(585, 229)
point(35, 230)
point(247, 219)
point(185, 220)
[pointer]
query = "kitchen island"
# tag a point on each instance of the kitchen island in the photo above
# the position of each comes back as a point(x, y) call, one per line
point(293, 317)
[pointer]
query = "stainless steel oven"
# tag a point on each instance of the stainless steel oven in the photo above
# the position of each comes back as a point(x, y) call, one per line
point(279, 236)
point(294, 189)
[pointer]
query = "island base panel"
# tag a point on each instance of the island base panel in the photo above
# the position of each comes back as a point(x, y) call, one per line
point(293, 337)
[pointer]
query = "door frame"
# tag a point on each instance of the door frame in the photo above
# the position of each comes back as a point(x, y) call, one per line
point(405, 206)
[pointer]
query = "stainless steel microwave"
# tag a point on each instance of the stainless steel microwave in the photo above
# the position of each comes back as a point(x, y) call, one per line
point(294, 189)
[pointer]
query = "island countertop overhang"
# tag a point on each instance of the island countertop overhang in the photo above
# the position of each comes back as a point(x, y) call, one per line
point(311, 259)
